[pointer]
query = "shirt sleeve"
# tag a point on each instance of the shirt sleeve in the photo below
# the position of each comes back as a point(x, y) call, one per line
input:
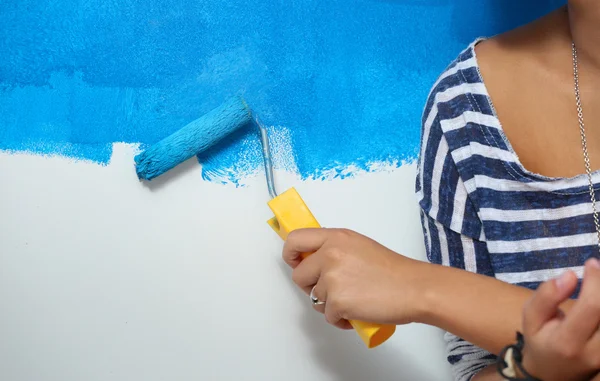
point(453, 231)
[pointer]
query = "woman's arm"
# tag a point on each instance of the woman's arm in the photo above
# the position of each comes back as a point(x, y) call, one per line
point(480, 309)
point(444, 246)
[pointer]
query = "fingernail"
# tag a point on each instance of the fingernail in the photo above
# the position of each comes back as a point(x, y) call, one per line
point(594, 263)
point(561, 282)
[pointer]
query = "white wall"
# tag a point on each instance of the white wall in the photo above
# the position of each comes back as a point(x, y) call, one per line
point(104, 278)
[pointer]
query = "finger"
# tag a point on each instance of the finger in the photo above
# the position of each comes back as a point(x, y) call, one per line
point(336, 321)
point(334, 318)
point(544, 304)
point(302, 241)
point(307, 273)
point(582, 320)
point(334, 311)
point(320, 292)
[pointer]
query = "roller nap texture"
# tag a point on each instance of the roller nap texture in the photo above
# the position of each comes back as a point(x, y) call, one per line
point(194, 138)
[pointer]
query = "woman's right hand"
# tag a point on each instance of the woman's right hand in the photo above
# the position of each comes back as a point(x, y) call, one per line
point(356, 277)
point(561, 346)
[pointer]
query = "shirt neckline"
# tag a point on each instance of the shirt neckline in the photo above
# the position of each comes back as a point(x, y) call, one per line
point(562, 183)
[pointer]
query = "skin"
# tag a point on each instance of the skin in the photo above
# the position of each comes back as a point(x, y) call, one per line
point(529, 75)
point(569, 341)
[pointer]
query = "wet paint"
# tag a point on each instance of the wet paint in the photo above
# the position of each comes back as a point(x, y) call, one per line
point(341, 83)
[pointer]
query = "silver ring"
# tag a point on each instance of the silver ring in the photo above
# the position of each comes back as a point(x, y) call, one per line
point(314, 299)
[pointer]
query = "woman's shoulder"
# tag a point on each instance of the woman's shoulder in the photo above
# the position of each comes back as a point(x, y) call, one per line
point(461, 137)
point(458, 104)
point(458, 91)
point(442, 180)
point(460, 76)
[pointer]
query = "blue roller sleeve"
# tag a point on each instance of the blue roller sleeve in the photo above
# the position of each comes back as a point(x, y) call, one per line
point(194, 138)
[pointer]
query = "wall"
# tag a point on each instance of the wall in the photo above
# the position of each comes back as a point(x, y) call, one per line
point(106, 278)
point(103, 278)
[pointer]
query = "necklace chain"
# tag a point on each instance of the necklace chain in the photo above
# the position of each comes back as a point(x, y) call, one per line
point(586, 156)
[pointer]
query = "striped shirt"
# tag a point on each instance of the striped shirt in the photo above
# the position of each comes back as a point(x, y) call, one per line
point(481, 210)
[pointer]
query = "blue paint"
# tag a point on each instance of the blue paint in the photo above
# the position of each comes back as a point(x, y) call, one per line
point(347, 78)
point(193, 139)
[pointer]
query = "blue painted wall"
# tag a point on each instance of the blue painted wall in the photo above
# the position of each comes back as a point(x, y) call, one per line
point(347, 78)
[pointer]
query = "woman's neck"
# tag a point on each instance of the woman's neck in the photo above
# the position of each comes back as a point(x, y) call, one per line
point(584, 24)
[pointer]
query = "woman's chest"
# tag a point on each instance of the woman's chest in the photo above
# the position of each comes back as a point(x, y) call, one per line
point(536, 235)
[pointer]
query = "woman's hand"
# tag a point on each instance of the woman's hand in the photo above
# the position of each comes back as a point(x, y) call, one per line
point(357, 278)
point(561, 346)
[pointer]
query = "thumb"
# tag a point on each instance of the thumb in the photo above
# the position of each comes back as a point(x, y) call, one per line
point(544, 304)
point(302, 241)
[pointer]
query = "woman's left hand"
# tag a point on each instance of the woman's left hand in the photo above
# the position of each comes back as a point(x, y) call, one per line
point(564, 346)
point(356, 277)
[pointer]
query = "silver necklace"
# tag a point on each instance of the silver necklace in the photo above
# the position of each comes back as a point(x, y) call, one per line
point(586, 157)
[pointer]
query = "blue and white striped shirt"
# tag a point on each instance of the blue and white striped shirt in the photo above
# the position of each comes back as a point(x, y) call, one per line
point(481, 210)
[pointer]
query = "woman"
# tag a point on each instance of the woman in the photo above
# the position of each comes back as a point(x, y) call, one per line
point(503, 187)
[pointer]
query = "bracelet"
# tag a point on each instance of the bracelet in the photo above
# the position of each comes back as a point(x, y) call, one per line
point(510, 356)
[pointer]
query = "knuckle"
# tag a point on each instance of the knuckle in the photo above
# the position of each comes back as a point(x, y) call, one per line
point(344, 234)
point(286, 249)
point(544, 292)
point(332, 279)
point(291, 238)
point(334, 253)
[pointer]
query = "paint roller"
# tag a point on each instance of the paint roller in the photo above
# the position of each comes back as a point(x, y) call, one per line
point(289, 209)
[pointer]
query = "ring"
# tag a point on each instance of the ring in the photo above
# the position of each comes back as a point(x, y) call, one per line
point(314, 299)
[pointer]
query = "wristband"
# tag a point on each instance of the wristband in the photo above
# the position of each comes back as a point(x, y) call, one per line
point(511, 356)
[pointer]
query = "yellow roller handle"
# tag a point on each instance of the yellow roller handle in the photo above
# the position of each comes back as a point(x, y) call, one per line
point(292, 213)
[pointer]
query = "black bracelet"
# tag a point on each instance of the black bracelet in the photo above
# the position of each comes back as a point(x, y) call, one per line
point(517, 358)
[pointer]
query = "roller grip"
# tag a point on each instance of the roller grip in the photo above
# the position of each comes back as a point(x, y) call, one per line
point(291, 213)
